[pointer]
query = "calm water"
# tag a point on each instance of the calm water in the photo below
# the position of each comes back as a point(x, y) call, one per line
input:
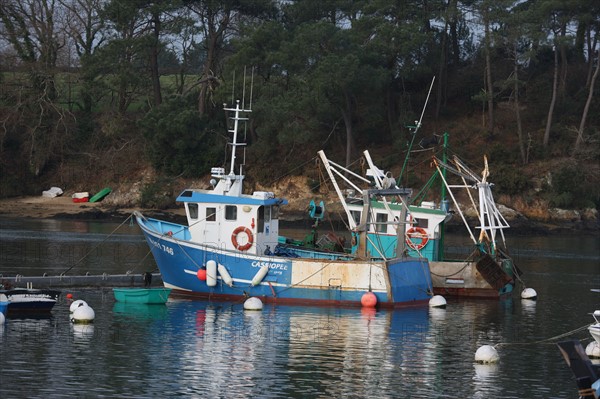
point(208, 349)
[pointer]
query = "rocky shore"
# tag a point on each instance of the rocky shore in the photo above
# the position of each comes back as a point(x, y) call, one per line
point(556, 220)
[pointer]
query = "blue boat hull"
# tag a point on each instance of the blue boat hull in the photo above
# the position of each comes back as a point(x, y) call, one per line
point(396, 282)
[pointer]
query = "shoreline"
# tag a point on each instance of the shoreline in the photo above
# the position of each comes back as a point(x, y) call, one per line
point(63, 207)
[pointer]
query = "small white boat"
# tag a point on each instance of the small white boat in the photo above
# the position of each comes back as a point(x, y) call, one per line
point(24, 300)
point(594, 329)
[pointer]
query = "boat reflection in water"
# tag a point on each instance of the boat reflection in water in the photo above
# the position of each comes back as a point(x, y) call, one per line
point(320, 351)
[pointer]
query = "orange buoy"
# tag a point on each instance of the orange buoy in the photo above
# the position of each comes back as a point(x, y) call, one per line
point(69, 296)
point(368, 300)
point(201, 274)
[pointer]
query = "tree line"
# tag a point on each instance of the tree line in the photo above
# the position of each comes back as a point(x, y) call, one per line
point(340, 74)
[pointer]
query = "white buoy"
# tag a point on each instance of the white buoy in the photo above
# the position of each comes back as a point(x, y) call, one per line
point(76, 304)
point(260, 275)
point(592, 350)
point(486, 354)
point(529, 293)
point(253, 303)
point(211, 273)
point(2, 318)
point(225, 276)
point(437, 301)
point(83, 314)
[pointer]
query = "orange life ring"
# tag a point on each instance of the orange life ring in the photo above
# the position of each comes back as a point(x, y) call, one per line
point(417, 232)
point(234, 240)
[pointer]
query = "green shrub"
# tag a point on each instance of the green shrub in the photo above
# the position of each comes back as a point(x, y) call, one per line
point(572, 187)
point(509, 179)
point(180, 142)
point(157, 195)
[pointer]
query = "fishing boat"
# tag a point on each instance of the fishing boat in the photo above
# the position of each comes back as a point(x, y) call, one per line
point(142, 295)
point(487, 272)
point(586, 373)
point(229, 250)
point(28, 300)
point(594, 329)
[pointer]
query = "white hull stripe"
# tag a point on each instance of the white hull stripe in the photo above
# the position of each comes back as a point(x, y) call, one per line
point(239, 280)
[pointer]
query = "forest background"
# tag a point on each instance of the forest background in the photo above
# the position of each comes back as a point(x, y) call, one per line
point(129, 94)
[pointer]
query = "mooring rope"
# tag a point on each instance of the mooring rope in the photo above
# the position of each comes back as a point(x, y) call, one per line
point(547, 340)
point(96, 246)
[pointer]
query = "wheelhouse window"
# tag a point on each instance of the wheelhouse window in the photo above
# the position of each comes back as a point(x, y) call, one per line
point(230, 212)
point(424, 223)
point(381, 222)
point(211, 214)
point(260, 223)
point(193, 210)
point(355, 216)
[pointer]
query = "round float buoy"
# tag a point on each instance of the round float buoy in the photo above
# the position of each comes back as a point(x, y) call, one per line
point(592, 350)
point(2, 318)
point(486, 354)
point(83, 314)
point(201, 274)
point(77, 304)
point(368, 300)
point(437, 301)
point(69, 296)
point(253, 303)
point(529, 293)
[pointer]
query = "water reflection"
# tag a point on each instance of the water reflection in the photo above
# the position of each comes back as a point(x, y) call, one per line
point(139, 311)
point(200, 349)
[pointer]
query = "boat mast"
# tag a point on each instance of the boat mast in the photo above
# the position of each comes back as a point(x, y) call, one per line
point(414, 133)
point(443, 198)
point(231, 183)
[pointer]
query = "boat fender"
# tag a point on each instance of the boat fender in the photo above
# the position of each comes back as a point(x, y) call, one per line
point(211, 273)
point(260, 275)
point(419, 233)
point(234, 239)
point(225, 276)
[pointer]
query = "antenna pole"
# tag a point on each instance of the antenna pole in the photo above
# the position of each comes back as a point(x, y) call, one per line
point(235, 129)
point(244, 90)
point(251, 86)
point(233, 88)
point(414, 134)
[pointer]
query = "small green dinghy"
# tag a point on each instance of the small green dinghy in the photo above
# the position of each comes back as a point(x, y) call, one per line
point(99, 196)
point(142, 295)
